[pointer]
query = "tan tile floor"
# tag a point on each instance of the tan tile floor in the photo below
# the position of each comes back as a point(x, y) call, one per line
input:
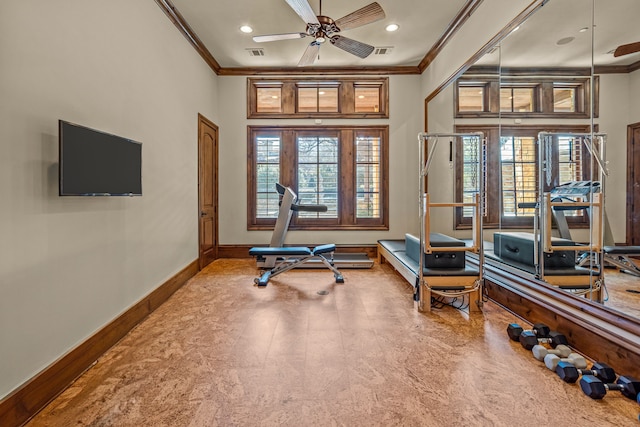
point(222, 352)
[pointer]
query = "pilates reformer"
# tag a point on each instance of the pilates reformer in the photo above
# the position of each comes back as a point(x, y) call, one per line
point(588, 277)
point(452, 282)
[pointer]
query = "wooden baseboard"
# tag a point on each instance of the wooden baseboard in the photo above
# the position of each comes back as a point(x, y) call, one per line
point(26, 401)
point(242, 251)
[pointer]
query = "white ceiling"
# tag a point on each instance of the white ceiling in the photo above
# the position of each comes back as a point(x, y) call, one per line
point(217, 24)
point(535, 43)
point(422, 23)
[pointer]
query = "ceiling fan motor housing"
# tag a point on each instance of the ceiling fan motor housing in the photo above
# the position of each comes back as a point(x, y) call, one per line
point(324, 30)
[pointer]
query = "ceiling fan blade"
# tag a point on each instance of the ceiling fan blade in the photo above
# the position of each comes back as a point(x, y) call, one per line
point(354, 47)
point(366, 15)
point(303, 9)
point(626, 49)
point(276, 37)
point(309, 56)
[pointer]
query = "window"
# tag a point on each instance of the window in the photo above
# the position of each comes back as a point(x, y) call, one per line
point(269, 99)
point(344, 168)
point(471, 97)
point(367, 99)
point(516, 99)
point(318, 98)
point(512, 172)
point(519, 95)
point(564, 99)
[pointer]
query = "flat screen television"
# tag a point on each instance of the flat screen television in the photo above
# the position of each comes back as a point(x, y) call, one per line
point(94, 163)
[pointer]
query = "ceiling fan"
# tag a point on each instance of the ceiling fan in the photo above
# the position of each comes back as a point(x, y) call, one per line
point(323, 28)
point(626, 49)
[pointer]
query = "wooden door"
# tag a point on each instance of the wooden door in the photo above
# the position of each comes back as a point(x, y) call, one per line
point(633, 184)
point(207, 190)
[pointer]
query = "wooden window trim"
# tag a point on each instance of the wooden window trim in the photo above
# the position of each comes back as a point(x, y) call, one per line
point(346, 100)
point(543, 96)
point(346, 175)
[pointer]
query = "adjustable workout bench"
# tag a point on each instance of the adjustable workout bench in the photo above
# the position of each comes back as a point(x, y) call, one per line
point(294, 256)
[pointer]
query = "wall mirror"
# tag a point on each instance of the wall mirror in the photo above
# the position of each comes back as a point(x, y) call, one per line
point(555, 74)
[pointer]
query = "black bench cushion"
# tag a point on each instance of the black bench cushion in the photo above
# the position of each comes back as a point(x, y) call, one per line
point(520, 247)
point(622, 250)
point(286, 251)
point(442, 259)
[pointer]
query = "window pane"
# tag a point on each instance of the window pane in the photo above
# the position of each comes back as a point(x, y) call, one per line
point(269, 100)
point(570, 166)
point(368, 177)
point(308, 99)
point(471, 156)
point(318, 175)
point(267, 174)
point(518, 170)
point(523, 99)
point(471, 98)
point(367, 99)
point(328, 100)
point(516, 99)
point(506, 100)
point(564, 100)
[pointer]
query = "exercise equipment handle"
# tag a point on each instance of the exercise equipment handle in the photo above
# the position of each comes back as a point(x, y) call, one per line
point(309, 208)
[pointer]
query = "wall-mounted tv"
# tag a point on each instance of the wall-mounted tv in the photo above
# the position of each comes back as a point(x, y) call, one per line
point(94, 163)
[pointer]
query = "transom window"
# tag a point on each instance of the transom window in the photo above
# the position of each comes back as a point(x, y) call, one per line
point(520, 95)
point(344, 168)
point(317, 98)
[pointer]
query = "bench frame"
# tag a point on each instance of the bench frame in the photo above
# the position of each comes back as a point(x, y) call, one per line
point(295, 256)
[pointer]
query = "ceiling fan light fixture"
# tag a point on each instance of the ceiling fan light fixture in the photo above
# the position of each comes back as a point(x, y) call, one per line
point(392, 27)
point(246, 29)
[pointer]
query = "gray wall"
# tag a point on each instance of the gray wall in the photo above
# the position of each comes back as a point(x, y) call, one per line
point(69, 265)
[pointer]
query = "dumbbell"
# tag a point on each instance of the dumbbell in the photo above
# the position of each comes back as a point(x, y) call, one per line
point(540, 330)
point(551, 361)
point(540, 351)
point(570, 374)
point(596, 389)
point(528, 339)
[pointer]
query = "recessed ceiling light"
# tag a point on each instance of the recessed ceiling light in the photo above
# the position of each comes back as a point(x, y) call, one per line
point(360, 96)
point(583, 30)
point(246, 29)
point(321, 92)
point(274, 96)
point(392, 27)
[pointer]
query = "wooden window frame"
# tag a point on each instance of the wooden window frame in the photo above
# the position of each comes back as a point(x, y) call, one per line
point(543, 96)
point(346, 97)
point(347, 219)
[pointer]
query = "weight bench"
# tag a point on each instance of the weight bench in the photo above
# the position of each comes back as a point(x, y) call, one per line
point(294, 256)
point(619, 257)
